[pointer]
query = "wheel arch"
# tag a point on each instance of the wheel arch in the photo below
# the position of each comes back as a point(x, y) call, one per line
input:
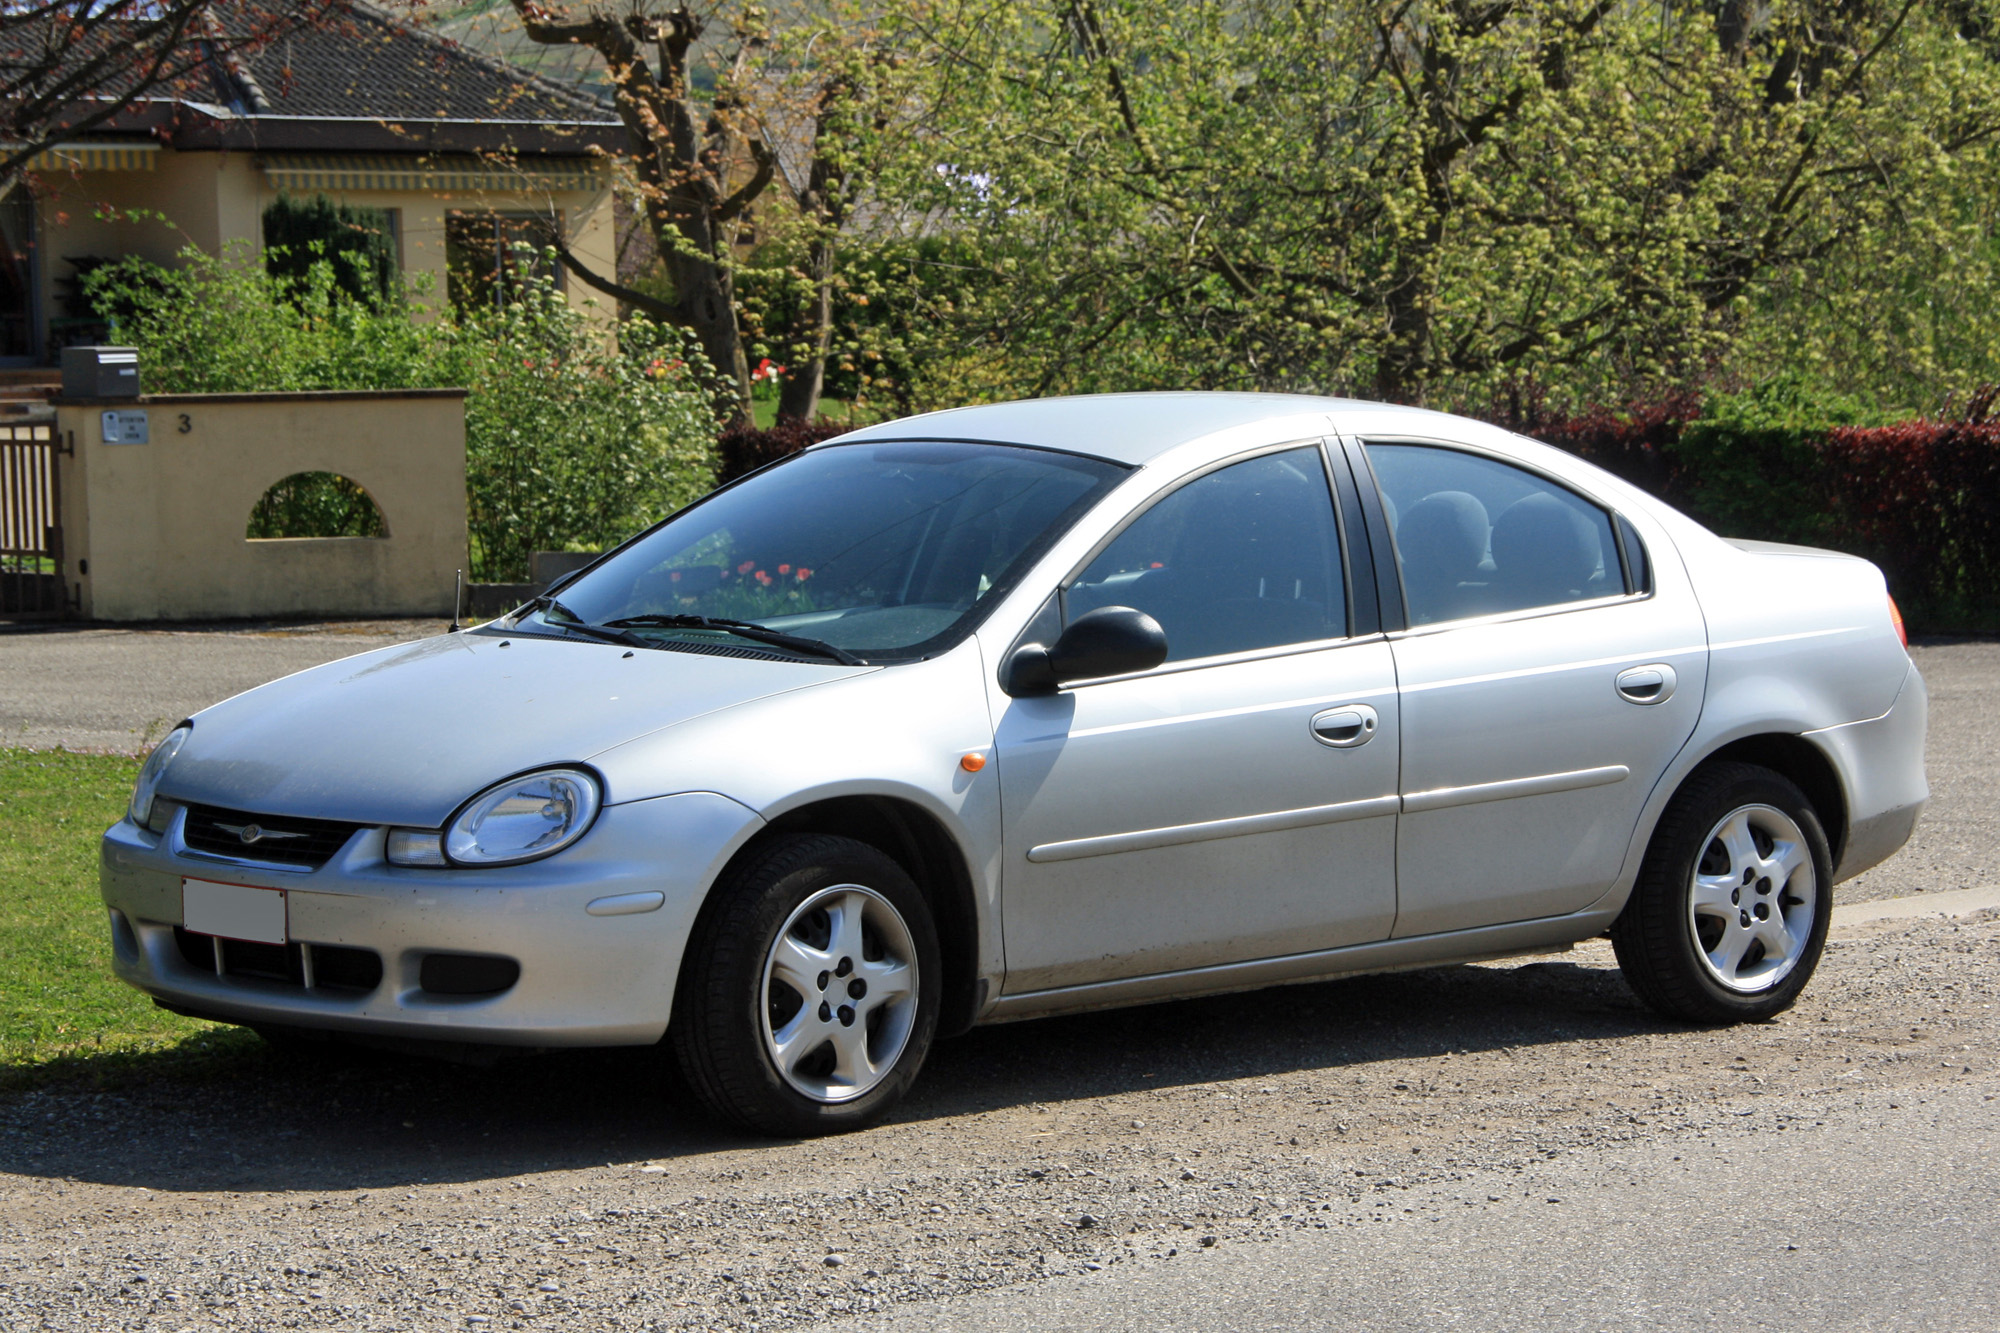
point(917, 841)
point(1808, 766)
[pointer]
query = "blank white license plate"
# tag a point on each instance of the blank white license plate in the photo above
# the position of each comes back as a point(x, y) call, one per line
point(233, 911)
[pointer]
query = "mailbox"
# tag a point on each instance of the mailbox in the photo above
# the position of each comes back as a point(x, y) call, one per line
point(100, 372)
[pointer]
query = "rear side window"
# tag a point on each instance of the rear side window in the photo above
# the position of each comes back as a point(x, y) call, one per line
point(1477, 537)
point(1246, 557)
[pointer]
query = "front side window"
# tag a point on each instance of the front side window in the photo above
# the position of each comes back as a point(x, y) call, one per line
point(887, 551)
point(1477, 537)
point(1246, 557)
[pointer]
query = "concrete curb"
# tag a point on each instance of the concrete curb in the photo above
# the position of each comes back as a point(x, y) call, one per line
point(1957, 902)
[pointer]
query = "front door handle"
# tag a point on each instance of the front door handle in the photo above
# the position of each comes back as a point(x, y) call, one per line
point(1653, 684)
point(1345, 727)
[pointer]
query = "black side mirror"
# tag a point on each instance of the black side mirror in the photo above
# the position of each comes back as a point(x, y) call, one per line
point(1110, 641)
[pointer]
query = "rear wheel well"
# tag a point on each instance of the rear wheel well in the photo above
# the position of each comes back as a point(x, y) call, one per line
point(915, 840)
point(1807, 766)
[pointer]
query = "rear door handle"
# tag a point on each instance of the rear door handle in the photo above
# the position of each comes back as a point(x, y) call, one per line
point(1345, 727)
point(1651, 684)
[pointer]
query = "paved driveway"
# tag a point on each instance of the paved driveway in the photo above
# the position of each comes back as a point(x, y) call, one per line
point(120, 690)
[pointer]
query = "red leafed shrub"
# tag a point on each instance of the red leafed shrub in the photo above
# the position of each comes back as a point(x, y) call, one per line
point(1634, 440)
point(1922, 500)
point(744, 451)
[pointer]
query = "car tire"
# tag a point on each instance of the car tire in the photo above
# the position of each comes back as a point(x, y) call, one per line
point(809, 994)
point(1729, 916)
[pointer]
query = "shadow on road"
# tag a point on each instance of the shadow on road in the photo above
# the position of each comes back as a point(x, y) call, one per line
point(333, 1118)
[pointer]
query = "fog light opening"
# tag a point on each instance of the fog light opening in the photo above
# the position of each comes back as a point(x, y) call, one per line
point(464, 975)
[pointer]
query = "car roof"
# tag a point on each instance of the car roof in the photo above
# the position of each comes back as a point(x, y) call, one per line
point(1131, 428)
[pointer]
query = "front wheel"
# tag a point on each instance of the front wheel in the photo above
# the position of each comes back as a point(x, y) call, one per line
point(810, 992)
point(1729, 916)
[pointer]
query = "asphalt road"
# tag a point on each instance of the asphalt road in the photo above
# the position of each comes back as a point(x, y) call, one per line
point(1749, 1228)
point(120, 690)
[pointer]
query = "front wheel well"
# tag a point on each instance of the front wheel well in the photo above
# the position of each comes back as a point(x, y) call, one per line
point(913, 838)
point(1807, 766)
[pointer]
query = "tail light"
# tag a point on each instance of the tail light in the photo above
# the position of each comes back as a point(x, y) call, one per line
point(1896, 619)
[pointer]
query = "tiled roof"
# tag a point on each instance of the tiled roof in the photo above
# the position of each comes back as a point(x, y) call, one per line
point(360, 81)
point(371, 65)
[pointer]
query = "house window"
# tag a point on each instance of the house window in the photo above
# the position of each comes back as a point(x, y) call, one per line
point(485, 258)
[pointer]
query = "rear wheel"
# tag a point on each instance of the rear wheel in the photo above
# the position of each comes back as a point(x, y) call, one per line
point(1729, 916)
point(810, 993)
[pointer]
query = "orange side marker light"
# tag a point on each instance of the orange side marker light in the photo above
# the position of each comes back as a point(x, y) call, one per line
point(972, 763)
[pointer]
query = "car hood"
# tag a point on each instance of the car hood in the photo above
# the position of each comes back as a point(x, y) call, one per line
point(402, 735)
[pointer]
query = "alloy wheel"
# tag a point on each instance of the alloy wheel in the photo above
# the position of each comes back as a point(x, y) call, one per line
point(1753, 898)
point(840, 993)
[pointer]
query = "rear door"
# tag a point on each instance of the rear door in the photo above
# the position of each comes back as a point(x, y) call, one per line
point(1549, 673)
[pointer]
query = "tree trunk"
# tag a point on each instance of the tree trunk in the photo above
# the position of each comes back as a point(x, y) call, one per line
point(708, 307)
point(799, 400)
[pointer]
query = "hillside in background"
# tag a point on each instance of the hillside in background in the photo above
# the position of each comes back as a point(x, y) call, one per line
point(492, 28)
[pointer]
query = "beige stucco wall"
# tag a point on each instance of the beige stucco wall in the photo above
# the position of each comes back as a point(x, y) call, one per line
point(211, 199)
point(156, 531)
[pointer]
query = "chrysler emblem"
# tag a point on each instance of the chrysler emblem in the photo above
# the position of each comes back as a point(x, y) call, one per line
point(253, 833)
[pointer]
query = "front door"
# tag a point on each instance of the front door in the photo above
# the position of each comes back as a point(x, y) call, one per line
point(1550, 675)
point(1237, 803)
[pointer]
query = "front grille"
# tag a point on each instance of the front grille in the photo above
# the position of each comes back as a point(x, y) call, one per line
point(282, 839)
point(319, 967)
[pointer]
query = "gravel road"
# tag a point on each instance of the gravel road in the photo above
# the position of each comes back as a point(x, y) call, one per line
point(1405, 1142)
point(577, 1192)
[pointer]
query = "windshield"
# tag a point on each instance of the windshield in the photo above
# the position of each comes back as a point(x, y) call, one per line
point(886, 551)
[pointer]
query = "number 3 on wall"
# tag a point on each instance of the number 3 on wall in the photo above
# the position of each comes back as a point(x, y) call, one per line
point(185, 425)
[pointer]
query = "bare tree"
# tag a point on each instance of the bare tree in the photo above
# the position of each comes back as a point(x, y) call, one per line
point(687, 154)
point(71, 66)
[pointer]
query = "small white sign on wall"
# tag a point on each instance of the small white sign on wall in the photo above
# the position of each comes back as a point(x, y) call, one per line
point(126, 428)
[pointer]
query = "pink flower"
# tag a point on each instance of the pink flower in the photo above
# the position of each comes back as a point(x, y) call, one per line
point(804, 573)
point(746, 567)
point(763, 578)
point(784, 569)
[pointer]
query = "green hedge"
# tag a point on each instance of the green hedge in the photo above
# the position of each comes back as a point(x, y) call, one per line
point(1919, 497)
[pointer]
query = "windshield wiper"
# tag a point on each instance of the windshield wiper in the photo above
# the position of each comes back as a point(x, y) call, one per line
point(742, 629)
point(576, 623)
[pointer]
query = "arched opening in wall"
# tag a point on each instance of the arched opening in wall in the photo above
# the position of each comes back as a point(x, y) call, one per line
point(315, 504)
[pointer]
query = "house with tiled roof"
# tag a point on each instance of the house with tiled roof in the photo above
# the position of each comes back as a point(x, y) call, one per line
point(464, 153)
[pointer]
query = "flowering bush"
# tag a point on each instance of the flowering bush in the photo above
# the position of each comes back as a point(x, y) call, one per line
point(571, 442)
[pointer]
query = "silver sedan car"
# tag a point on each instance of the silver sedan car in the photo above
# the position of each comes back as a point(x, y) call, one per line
point(1038, 707)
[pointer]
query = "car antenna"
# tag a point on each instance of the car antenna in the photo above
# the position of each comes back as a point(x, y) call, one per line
point(457, 600)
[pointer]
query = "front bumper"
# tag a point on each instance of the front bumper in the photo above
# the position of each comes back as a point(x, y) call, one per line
point(585, 979)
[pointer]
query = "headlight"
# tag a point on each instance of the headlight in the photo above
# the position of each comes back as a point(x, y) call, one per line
point(521, 819)
point(152, 771)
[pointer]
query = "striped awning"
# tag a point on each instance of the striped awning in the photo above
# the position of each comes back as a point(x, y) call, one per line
point(434, 175)
point(96, 157)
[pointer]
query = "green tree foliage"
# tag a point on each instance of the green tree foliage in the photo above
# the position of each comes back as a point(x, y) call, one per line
point(356, 241)
point(1421, 200)
point(573, 439)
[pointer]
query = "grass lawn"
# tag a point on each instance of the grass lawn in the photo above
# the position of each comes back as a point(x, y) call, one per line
point(764, 412)
point(61, 1012)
